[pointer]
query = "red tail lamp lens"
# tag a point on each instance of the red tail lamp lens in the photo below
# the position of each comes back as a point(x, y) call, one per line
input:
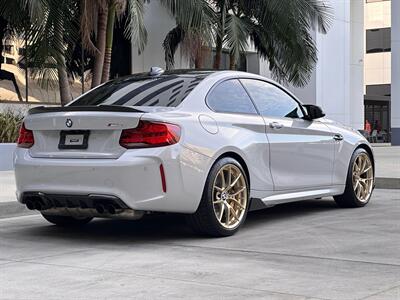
point(25, 138)
point(149, 134)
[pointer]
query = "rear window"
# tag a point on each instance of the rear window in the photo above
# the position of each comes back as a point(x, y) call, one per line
point(168, 91)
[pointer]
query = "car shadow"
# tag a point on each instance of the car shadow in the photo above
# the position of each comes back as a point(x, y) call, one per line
point(166, 227)
point(289, 210)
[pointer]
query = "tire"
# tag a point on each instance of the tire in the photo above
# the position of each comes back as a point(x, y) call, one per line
point(65, 221)
point(221, 212)
point(352, 197)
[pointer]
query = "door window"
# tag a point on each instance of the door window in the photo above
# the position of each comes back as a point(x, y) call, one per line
point(229, 96)
point(271, 100)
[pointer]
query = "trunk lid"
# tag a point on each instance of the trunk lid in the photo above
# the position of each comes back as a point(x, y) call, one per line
point(80, 132)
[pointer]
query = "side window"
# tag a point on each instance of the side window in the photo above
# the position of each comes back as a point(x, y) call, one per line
point(230, 96)
point(271, 100)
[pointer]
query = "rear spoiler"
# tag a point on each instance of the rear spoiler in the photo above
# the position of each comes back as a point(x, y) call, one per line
point(50, 109)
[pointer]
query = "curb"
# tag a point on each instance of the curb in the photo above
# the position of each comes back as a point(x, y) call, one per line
point(387, 183)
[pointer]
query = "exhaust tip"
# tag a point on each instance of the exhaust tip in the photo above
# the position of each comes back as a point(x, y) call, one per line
point(111, 209)
point(38, 205)
point(29, 204)
point(100, 208)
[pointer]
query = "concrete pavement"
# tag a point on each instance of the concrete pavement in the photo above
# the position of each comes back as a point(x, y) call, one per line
point(305, 250)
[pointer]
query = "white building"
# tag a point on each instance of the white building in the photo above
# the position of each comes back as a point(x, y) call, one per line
point(377, 66)
point(337, 83)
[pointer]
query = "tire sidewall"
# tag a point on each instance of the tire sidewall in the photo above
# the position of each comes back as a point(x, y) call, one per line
point(208, 195)
point(349, 181)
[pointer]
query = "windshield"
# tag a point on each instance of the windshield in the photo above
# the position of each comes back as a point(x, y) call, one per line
point(167, 91)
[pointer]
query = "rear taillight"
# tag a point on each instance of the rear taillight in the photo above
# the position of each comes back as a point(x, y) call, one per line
point(149, 134)
point(25, 138)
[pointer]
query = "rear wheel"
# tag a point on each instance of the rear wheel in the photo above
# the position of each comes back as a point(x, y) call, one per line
point(66, 221)
point(360, 181)
point(225, 201)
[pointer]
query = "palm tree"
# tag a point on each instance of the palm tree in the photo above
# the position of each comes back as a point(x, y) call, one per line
point(105, 12)
point(195, 23)
point(134, 29)
point(281, 33)
point(5, 75)
point(51, 27)
point(279, 30)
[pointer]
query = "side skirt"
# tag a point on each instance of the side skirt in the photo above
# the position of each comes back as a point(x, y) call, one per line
point(280, 197)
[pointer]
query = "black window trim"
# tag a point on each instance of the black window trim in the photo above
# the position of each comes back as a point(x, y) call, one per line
point(257, 113)
point(279, 87)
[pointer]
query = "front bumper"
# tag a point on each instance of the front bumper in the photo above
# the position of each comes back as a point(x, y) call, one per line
point(134, 177)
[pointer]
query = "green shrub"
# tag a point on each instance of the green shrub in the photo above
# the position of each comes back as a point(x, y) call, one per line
point(10, 122)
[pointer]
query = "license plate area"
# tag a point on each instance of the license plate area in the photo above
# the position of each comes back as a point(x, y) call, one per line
point(74, 139)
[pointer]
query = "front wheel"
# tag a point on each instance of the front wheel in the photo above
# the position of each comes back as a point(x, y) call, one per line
point(66, 221)
point(225, 200)
point(360, 181)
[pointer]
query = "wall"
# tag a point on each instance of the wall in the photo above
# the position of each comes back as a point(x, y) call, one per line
point(357, 50)
point(6, 156)
point(395, 99)
point(158, 23)
point(20, 107)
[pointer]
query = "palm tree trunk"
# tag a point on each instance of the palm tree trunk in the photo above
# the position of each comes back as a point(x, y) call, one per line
point(109, 42)
point(198, 60)
point(65, 88)
point(63, 82)
point(220, 37)
point(218, 53)
point(232, 62)
point(100, 45)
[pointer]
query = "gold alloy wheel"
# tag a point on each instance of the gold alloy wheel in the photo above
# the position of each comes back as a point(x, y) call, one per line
point(363, 177)
point(229, 196)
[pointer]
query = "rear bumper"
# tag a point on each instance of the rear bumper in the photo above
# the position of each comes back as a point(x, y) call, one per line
point(134, 177)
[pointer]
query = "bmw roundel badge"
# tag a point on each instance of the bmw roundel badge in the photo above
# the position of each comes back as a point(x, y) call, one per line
point(69, 123)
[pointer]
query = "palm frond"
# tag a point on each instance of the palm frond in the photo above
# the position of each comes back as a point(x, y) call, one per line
point(170, 44)
point(135, 29)
point(317, 12)
point(236, 34)
point(88, 19)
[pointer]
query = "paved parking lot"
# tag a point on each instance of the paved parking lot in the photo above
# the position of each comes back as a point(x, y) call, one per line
point(305, 250)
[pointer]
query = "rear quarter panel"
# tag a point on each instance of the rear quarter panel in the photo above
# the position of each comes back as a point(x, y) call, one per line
point(218, 134)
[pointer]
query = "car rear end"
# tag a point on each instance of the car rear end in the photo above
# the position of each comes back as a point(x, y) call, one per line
point(99, 158)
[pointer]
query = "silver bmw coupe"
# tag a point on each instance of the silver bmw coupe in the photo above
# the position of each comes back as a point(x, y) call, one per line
point(209, 144)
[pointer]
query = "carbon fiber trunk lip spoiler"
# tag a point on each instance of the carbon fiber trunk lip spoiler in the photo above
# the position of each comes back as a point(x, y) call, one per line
point(105, 108)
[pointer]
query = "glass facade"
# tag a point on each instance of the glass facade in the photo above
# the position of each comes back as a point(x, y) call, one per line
point(378, 40)
point(377, 121)
point(377, 99)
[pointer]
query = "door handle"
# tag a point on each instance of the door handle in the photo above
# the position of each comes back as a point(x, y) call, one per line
point(338, 137)
point(275, 125)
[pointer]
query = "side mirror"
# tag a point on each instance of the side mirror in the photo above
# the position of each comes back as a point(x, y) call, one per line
point(313, 112)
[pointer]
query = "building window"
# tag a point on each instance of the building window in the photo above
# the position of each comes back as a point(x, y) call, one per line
point(379, 90)
point(378, 40)
point(10, 61)
point(371, 1)
point(377, 114)
point(8, 49)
